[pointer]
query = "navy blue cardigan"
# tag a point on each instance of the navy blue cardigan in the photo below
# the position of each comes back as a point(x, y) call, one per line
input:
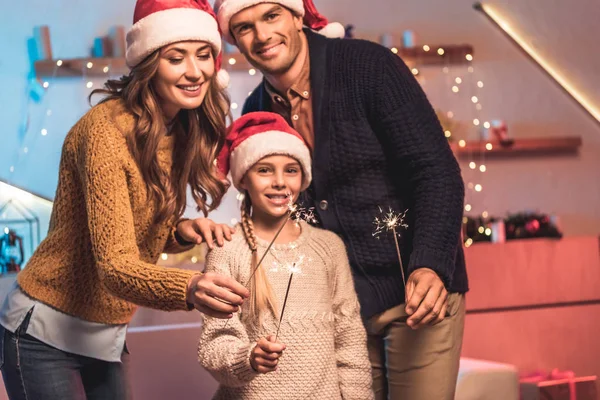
point(378, 143)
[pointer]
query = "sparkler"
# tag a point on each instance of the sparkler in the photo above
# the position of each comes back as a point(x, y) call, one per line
point(390, 221)
point(294, 268)
point(293, 211)
point(303, 214)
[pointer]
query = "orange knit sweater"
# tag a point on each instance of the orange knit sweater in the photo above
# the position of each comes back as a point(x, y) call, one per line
point(98, 260)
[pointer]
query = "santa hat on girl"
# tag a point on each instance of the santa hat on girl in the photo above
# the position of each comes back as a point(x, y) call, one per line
point(157, 23)
point(257, 135)
point(305, 8)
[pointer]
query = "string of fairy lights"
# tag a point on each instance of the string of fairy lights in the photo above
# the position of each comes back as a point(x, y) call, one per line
point(43, 129)
point(474, 176)
point(457, 85)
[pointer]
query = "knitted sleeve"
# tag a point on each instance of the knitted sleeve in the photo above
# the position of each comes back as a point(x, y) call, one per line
point(416, 148)
point(354, 367)
point(111, 226)
point(224, 347)
point(173, 246)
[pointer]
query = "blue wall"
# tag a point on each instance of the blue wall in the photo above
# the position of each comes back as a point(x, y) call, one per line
point(73, 27)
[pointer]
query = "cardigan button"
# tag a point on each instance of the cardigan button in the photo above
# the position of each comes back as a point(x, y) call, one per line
point(323, 205)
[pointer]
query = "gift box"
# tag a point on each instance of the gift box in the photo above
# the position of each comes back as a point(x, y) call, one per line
point(558, 385)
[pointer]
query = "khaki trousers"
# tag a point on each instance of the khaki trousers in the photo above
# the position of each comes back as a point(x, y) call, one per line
point(416, 364)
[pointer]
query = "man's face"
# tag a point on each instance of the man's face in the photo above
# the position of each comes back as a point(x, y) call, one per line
point(269, 35)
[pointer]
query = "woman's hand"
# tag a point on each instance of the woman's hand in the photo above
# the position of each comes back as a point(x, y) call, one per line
point(265, 355)
point(204, 230)
point(216, 295)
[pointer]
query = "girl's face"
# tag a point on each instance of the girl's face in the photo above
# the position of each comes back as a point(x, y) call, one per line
point(272, 183)
point(184, 74)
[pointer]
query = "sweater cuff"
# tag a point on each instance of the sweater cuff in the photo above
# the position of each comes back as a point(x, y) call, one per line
point(175, 243)
point(190, 306)
point(183, 276)
point(241, 367)
point(181, 241)
point(443, 266)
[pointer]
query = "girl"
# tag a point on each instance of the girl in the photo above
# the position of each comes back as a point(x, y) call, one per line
point(122, 186)
point(322, 353)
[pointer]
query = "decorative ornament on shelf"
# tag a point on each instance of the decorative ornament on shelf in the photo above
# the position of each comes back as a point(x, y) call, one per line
point(524, 225)
point(409, 39)
point(527, 225)
point(11, 252)
point(20, 233)
point(498, 130)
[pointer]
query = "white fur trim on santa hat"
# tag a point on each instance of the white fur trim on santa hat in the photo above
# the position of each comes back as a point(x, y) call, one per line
point(226, 9)
point(170, 26)
point(223, 79)
point(333, 30)
point(264, 144)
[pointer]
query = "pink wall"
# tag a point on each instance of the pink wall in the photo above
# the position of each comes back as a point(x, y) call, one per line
point(535, 304)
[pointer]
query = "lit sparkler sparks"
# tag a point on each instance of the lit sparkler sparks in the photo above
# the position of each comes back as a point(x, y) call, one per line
point(390, 221)
point(294, 211)
point(303, 214)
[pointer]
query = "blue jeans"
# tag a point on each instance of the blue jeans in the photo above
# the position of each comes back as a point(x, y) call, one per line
point(33, 370)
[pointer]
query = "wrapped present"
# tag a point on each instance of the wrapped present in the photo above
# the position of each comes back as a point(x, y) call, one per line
point(557, 385)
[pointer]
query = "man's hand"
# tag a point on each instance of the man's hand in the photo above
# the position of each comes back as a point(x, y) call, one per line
point(204, 230)
point(426, 298)
point(216, 295)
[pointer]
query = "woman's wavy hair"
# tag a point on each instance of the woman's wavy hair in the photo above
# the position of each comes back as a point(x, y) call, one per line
point(199, 136)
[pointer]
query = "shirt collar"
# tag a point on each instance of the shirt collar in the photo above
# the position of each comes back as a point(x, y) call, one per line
point(301, 87)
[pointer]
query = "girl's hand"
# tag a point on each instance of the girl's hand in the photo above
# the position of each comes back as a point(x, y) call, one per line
point(265, 355)
point(204, 230)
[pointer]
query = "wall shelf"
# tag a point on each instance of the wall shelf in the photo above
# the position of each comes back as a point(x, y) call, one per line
point(116, 66)
point(92, 67)
point(452, 55)
point(533, 146)
point(414, 56)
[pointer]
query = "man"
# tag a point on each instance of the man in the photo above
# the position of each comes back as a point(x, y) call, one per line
point(376, 142)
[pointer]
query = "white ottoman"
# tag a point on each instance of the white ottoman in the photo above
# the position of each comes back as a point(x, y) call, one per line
point(486, 380)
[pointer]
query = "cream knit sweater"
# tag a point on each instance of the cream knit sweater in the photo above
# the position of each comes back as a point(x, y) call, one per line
point(326, 355)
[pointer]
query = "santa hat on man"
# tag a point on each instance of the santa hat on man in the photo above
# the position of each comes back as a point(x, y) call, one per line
point(305, 8)
point(157, 23)
point(257, 135)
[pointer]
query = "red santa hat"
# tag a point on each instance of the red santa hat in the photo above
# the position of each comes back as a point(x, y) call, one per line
point(157, 23)
point(257, 135)
point(305, 8)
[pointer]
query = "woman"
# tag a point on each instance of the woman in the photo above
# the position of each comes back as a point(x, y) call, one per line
point(123, 175)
